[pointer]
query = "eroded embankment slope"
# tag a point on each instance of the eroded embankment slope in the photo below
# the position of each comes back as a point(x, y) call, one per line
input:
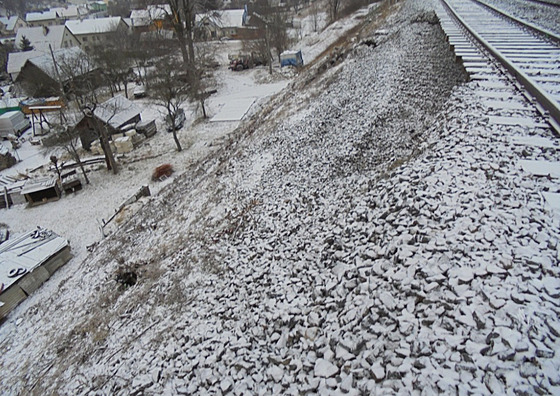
point(296, 259)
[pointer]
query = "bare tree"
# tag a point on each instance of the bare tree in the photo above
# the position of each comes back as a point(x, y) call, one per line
point(81, 88)
point(334, 8)
point(201, 79)
point(259, 49)
point(314, 11)
point(274, 23)
point(170, 90)
point(4, 51)
point(147, 47)
point(114, 57)
point(278, 31)
point(119, 8)
point(13, 7)
point(67, 138)
point(182, 17)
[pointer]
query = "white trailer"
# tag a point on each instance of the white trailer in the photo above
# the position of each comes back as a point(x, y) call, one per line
point(13, 123)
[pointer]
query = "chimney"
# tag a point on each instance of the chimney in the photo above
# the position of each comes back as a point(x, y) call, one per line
point(45, 30)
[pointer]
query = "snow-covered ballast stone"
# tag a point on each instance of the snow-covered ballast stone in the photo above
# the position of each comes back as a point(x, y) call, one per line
point(26, 262)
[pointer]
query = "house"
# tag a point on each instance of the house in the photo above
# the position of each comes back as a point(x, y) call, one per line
point(155, 17)
point(70, 12)
point(220, 24)
point(16, 60)
point(97, 7)
point(44, 37)
point(10, 26)
point(26, 262)
point(92, 32)
point(40, 78)
point(114, 114)
point(47, 18)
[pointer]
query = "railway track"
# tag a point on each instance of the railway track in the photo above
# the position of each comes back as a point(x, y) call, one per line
point(492, 43)
point(553, 3)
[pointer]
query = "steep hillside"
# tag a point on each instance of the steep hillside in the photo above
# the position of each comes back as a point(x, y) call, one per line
point(346, 239)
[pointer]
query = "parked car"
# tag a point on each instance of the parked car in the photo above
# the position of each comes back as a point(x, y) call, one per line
point(139, 91)
point(180, 119)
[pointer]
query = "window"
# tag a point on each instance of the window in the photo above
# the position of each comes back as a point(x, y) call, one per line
point(85, 39)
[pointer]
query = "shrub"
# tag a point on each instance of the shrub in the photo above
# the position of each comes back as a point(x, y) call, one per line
point(162, 172)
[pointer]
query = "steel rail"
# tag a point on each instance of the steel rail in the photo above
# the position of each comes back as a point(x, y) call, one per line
point(531, 27)
point(546, 101)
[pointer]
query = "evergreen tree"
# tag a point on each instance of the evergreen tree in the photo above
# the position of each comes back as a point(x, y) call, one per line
point(25, 44)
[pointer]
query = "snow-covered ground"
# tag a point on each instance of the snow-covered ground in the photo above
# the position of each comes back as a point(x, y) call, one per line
point(370, 230)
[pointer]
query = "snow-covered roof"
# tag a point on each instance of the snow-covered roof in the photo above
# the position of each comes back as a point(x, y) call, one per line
point(41, 16)
point(92, 26)
point(34, 185)
point(117, 111)
point(22, 255)
point(63, 56)
point(153, 12)
point(139, 14)
point(223, 19)
point(71, 11)
point(40, 37)
point(16, 60)
point(159, 11)
point(232, 18)
point(290, 52)
point(9, 103)
point(10, 22)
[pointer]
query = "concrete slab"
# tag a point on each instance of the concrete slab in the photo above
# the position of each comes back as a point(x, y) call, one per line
point(234, 110)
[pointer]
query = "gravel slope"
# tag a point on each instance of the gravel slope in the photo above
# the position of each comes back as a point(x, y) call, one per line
point(368, 231)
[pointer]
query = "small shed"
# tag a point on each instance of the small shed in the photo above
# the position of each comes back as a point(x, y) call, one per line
point(291, 58)
point(218, 24)
point(10, 192)
point(114, 115)
point(40, 191)
point(26, 262)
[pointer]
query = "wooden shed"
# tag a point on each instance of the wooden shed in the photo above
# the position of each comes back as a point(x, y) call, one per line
point(26, 262)
point(113, 115)
point(40, 191)
point(10, 193)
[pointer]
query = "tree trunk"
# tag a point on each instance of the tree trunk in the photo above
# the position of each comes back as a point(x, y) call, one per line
point(268, 49)
point(203, 108)
point(176, 138)
point(183, 46)
point(81, 165)
point(79, 161)
point(106, 146)
point(190, 45)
